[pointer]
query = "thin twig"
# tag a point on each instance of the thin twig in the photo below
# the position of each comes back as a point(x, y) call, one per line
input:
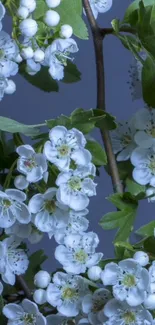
point(124, 29)
point(98, 46)
point(23, 285)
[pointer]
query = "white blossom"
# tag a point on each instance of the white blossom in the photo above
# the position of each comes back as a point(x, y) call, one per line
point(28, 27)
point(13, 260)
point(75, 188)
point(141, 257)
point(27, 313)
point(52, 18)
point(39, 55)
point(65, 146)
point(10, 88)
point(129, 279)
point(32, 165)
point(22, 12)
point(123, 140)
point(39, 296)
point(93, 305)
point(144, 121)
point(119, 313)
point(66, 293)
point(78, 254)
point(49, 214)
point(27, 52)
point(42, 279)
point(12, 208)
point(20, 182)
point(66, 31)
point(53, 3)
point(29, 4)
point(94, 273)
point(32, 67)
point(28, 231)
point(100, 6)
point(77, 223)
point(2, 13)
point(56, 56)
point(9, 49)
point(143, 161)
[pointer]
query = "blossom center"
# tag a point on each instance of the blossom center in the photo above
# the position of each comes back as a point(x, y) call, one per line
point(81, 256)
point(75, 183)
point(64, 150)
point(50, 206)
point(2, 53)
point(129, 280)
point(6, 203)
point(69, 293)
point(98, 305)
point(29, 319)
point(129, 317)
point(126, 139)
point(30, 164)
point(151, 131)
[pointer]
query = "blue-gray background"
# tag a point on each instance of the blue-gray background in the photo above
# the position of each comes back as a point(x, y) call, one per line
point(31, 106)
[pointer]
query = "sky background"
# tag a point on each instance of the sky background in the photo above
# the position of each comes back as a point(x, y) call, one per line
point(31, 106)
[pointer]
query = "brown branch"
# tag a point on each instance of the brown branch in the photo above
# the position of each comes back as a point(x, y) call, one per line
point(23, 285)
point(124, 29)
point(98, 46)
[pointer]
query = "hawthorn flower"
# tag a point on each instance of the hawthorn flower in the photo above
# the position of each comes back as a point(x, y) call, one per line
point(93, 304)
point(75, 188)
point(143, 161)
point(52, 18)
point(76, 224)
point(56, 56)
point(28, 27)
point(129, 279)
point(142, 258)
point(123, 140)
point(100, 6)
point(65, 146)
point(150, 194)
point(42, 279)
point(32, 165)
point(49, 214)
point(66, 293)
point(78, 254)
point(13, 260)
point(6, 87)
point(66, 31)
point(28, 231)
point(145, 124)
point(8, 47)
point(12, 208)
point(27, 313)
point(121, 313)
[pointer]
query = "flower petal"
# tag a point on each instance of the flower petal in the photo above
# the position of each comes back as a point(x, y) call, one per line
point(143, 139)
point(12, 311)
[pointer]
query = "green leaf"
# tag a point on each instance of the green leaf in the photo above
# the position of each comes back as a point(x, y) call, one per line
point(129, 39)
point(134, 188)
point(71, 73)
point(131, 14)
point(36, 259)
point(40, 10)
point(71, 13)
point(149, 246)
point(146, 28)
point(41, 79)
point(103, 263)
point(122, 219)
point(13, 126)
point(98, 153)
point(147, 230)
point(148, 82)
point(62, 120)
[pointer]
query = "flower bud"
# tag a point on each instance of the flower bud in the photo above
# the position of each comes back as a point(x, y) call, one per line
point(53, 3)
point(11, 87)
point(20, 182)
point(150, 302)
point(29, 4)
point(28, 27)
point(66, 31)
point(51, 18)
point(94, 273)
point(27, 53)
point(142, 258)
point(22, 12)
point(151, 192)
point(18, 58)
point(42, 279)
point(39, 296)
point(39, 55)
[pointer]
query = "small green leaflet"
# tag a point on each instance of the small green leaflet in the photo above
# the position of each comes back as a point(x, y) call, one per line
point(148, 82)
point(122, 219)
point(35, 261)
point(98, 153)
point(131, 12)
point(134, 188)
point(147, 230)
